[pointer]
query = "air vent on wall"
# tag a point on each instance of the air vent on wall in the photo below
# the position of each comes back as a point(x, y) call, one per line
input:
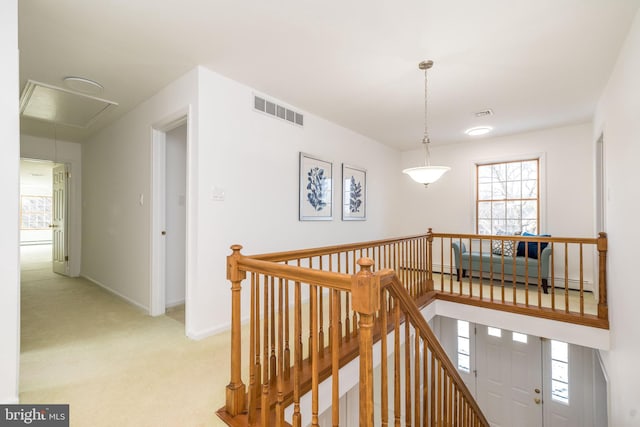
point(278, 111)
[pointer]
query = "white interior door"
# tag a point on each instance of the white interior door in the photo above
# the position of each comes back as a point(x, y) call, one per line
point(59, 220)
point(509, 381)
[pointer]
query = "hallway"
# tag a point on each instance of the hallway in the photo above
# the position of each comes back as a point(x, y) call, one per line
point(109, 360)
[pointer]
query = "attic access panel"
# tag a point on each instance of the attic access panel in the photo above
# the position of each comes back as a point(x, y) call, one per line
point(53, 104)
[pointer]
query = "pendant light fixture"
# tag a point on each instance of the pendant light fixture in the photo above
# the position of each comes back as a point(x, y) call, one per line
point(426, 174)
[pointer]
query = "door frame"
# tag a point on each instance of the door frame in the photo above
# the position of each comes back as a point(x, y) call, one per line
point(159, 130)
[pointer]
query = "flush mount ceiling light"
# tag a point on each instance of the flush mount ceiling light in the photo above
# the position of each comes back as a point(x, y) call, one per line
point(83, 85)
point(61, 106)
point(426, 174)
point(478, 130)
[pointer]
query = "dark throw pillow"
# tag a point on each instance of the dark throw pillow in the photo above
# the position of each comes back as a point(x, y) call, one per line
point(532, 247)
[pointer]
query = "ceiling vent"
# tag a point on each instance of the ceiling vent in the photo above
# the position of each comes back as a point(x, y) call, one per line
point(278, 111)
point(484, 113)
point(61, 106)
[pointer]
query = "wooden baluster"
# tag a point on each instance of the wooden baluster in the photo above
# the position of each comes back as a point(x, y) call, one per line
point(425, 382)
point(252, 350)
point(513, 269)
point(581, 283)
point(384, 381)
point(430, 260)
point(272, 359)
point(264, 411)
point(440, 398)
point(407, 374)
point(297, 355)
point(551, 279)
point(354, 315)
point(313, 290)
point(396, 361)
point(433, 389)
point(491, 273)
point(540, 291)
point(416, 378)
point(451, 264)
point(335, 359)
point(280, 358)
point(347, 305)
point(321, 323)
point(287, 326)
point(236, 390)
point(566, 277)
point(470, 267)
point(603, 309)
point(365, 287)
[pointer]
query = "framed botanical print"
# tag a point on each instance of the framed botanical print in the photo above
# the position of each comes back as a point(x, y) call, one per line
point(354, 193)
point(316, 189)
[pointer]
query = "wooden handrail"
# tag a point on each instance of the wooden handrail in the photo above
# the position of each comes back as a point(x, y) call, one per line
point(326, 250)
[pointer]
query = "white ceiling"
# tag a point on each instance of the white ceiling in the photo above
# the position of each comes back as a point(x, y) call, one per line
point(536, 63)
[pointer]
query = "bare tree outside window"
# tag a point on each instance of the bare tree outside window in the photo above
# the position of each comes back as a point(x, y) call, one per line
point(507, 197)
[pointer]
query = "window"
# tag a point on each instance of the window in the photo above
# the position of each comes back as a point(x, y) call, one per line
point(35, 212)
point(494, 332)
point(560, 371)
point(518, 337)
point(507, 197)
point(464, 341)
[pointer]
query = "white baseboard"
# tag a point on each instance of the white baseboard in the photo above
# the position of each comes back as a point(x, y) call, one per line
point(198, 335)
point(14, 400)
point(174, 303)
point(116, 293)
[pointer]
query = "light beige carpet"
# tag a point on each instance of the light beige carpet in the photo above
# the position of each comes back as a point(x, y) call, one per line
point(114, 364)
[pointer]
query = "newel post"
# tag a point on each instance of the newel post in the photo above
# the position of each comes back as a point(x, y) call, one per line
point(603, 309)
point(430, 260)
point(365, 288)
point(236, 392)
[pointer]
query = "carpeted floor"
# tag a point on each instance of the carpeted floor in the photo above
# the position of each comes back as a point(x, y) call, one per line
point(114, 364)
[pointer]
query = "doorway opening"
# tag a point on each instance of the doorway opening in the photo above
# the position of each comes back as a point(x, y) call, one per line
point(170, 207)
point(44, 216)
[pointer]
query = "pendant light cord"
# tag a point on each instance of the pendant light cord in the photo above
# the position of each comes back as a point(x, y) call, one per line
point(425, 139)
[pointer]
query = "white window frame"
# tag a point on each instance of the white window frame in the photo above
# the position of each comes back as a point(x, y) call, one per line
point(542, 185)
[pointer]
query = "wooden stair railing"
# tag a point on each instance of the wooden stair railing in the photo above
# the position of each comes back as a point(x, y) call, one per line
point(434, 392)
point(307, 318)
point(283, 368)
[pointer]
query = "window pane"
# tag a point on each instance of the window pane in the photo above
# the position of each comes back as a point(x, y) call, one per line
point(484, 191)
point(514, 189)
point(499, 172)
point(529, 189)
point(463, 345)
point(494, 332)
point(484, 174)
point(484, 210)
point(560, 351)
point(530, 169)
point(498, 210)
point(463, 362)
point(484, 226)
point(514, 210)
point(463, 329)
point(560, 391)
point(560, 371)
point(520, 337)
point(514, 171)
point(499, 190)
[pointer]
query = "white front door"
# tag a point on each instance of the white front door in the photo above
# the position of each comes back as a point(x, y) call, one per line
point(509, 377)
point(58, 217)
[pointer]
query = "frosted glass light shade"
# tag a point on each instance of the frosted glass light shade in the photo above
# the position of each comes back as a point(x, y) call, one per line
point(426, 174)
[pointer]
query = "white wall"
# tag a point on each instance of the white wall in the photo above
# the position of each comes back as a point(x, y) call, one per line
point(449, 204)
point(32, 147)
point(617, 115)
point(250, 156)
point(116, 194)
point(254, 159)
point(9, 194)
